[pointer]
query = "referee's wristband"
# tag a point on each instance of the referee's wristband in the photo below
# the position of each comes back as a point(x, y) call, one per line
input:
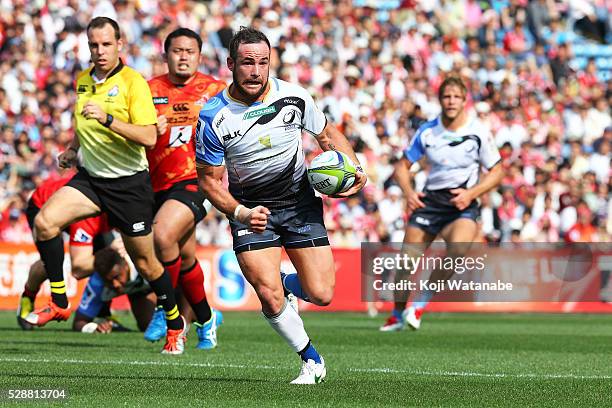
point(109, 120)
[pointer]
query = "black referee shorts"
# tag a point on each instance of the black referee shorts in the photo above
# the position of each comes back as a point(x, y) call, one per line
point(128, 201)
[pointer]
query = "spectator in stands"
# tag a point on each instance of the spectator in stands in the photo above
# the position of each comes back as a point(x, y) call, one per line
point(350, 58)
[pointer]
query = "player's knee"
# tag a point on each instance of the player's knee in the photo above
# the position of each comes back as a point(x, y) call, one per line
point(271, 300)
point(163, 238)
point(44, 228)
point(148, 267)
point(322, 296)
point(187, 260)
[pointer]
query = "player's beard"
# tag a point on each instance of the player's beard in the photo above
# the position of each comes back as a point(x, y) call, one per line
point(244, 92)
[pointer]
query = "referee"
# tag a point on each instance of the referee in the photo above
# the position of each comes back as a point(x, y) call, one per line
point(114, 121)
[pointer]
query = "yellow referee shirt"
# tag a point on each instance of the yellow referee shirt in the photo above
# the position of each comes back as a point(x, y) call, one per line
point(126, 95)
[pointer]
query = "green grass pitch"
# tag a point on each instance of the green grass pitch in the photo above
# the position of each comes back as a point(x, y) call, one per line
point(454, 360)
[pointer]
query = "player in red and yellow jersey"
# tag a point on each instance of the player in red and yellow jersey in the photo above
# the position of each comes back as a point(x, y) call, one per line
point(178, 97)
point(86, 236)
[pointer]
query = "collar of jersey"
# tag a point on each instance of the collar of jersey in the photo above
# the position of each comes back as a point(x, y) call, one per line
point(466, 125)
point(113, 72)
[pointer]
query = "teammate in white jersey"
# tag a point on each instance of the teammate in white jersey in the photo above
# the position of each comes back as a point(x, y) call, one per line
point(254, 129)
point(456, 147)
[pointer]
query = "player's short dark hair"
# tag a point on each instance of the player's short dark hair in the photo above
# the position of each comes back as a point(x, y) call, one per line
point(452, 81)
point(105, 260)
point(182, 32)
point(246, 35)
point(100, 22)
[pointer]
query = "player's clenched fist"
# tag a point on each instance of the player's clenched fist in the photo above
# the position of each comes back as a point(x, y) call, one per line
point(162, 125)
point(255, 218)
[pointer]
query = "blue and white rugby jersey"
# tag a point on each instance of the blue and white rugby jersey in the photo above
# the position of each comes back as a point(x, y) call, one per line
point(455, 157)
point(260, 144)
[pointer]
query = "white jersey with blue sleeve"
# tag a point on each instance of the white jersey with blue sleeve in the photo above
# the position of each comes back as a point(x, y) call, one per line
point(455, 156)
point(260, 144)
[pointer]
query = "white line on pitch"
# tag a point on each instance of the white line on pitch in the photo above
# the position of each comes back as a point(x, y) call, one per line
point(267, 367)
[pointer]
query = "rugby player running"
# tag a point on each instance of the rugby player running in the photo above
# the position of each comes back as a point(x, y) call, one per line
point(456, 146)
point(254, 129)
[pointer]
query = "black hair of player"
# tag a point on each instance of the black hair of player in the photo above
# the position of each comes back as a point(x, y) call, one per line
point(246, 35)
point(182, 32)
point(106, 259)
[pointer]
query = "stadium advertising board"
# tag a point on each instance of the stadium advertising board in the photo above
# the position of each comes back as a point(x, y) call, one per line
point(543, 279)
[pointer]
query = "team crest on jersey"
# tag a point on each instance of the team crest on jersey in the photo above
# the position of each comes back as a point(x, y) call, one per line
point(259, 112)
point(82, 89)
point(114, 91)
point(82, 237)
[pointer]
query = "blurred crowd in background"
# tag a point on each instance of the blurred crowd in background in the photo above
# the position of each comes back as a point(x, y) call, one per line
point(539, 75)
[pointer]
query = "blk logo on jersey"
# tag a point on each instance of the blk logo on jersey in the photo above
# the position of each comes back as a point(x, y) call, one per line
point(229, 137)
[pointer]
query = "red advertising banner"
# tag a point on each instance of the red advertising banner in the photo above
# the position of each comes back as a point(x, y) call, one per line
point(228, 290)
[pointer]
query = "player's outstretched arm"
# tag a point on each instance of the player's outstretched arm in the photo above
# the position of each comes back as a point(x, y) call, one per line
point(85, 324)
point(332, 139)
point(145, 135)
point(210, 179)
point(464, 197)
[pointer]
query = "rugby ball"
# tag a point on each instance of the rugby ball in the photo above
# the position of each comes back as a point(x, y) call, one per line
point(331, 172)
